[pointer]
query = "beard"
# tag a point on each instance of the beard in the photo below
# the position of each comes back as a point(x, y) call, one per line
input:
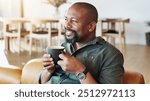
point(73, 39)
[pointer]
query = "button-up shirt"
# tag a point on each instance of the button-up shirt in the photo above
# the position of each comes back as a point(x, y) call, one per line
point(102, 60)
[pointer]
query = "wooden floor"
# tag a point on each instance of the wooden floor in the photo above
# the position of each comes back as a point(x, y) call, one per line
point(137, 58)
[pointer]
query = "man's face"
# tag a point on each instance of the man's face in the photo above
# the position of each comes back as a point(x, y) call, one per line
point(75, 25)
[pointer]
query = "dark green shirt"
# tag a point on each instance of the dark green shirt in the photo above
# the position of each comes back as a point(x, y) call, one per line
point(103, 61)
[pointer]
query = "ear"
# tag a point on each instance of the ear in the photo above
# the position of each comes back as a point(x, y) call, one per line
point(92, 26)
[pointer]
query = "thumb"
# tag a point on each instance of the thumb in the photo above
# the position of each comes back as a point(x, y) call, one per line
point(64, 55)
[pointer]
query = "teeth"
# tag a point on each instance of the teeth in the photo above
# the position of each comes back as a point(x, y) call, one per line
point(68, 32)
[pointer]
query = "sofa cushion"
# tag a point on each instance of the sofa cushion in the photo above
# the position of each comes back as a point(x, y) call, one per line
point(10, 75)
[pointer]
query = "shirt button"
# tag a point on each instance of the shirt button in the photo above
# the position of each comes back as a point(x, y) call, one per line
point(92, 57)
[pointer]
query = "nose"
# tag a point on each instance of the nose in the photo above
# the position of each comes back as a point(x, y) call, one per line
point(68, 25)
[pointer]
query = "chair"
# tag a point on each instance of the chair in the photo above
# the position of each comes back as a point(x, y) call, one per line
point(11, 30)
point(132, 77)
point(9, 75)
point(43, 29)
point(1, 26)
point(33, 68)
point(114, 28)
point(31, 71)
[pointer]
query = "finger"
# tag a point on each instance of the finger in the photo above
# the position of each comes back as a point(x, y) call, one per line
point(47, 59)
point(62, 65)
point(63, 55)
point(46, 55)
point(48, 63)
point(65, 50)
point(49, 67)
point(60, 62)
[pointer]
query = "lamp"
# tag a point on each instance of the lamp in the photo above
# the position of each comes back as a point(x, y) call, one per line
point(56, 4)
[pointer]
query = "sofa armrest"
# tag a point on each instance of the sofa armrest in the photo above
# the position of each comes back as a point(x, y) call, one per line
point(133, 77)
point(10, 75)
point(31, 71)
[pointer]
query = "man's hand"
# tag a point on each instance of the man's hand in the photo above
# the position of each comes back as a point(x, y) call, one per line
point(48, 63)
point(70, 63)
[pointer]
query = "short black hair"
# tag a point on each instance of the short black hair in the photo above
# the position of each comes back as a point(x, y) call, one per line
point(91, 9)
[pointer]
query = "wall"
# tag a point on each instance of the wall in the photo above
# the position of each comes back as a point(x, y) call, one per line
point(9, 8)
point(39, 8)
point(136, 10)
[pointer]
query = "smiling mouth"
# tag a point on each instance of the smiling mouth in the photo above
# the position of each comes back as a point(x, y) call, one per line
point(69, 34)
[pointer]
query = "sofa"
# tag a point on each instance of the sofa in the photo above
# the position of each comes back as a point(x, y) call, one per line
point(29, 74)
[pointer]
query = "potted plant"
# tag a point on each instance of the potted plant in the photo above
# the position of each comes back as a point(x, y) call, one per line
point(56, 4)
point(148, 35)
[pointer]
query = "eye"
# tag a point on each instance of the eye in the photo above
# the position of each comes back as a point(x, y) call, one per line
point(66, 19)
point(74, 20)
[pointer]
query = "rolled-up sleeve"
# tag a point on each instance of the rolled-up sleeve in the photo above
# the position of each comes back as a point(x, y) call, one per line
point(112, 70)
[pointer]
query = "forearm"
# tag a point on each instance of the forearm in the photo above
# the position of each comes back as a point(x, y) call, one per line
point(89, 79)
point(45, 76)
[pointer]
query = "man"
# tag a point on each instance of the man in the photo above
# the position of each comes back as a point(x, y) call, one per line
point(87, 59)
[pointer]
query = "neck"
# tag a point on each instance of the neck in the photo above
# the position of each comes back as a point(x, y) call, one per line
point(80, 44)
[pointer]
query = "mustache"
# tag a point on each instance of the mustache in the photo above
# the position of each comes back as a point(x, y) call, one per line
point(70, 30)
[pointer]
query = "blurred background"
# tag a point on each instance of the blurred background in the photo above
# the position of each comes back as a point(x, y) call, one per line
point(137, 30)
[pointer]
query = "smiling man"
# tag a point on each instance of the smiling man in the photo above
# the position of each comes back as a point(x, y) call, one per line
point(87, 59)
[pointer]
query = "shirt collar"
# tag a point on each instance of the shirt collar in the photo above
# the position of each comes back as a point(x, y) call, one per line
point(70, 49)
point(97, 40)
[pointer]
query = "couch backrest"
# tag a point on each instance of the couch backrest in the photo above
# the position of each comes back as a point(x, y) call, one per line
point(31, 71)
point(132, 77)
point(10, 75)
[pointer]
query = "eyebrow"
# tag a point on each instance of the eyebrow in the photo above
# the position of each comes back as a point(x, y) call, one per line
point(72, 18)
